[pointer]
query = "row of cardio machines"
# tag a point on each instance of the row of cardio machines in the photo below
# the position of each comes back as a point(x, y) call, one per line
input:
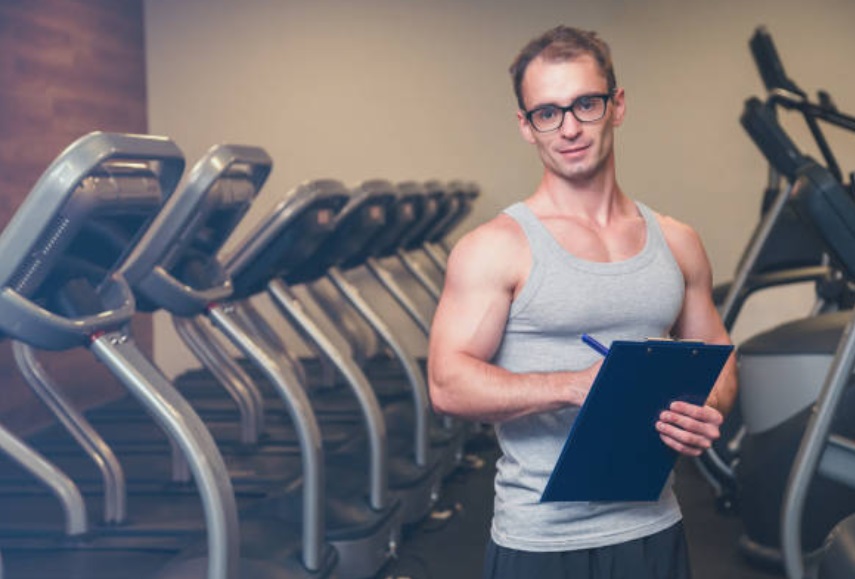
point(787, 460)
point(266, 464)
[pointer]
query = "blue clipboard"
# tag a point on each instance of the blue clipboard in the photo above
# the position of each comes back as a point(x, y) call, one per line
point(613, 451)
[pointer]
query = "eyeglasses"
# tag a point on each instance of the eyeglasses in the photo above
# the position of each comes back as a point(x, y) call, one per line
point(586, 109)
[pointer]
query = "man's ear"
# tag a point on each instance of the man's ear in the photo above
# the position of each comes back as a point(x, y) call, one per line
point(525, 128)
point(619, 100)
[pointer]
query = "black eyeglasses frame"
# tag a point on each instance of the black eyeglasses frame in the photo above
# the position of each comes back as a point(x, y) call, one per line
point(606, 97)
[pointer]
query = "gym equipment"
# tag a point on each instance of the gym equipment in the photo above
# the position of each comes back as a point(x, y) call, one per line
point(828, 445)
point(413, 475)
point(780, 251)
point(175, 273)
point(367, 531)
point(462, 197)
point(780, 374)
point(46, 304)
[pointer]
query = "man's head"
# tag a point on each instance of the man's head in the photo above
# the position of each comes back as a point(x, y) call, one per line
point(561, 44)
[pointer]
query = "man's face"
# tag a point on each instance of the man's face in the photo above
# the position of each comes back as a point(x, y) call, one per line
point(576, 152)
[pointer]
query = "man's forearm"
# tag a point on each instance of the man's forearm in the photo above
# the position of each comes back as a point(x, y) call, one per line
point(723, 395)
point(476, 390)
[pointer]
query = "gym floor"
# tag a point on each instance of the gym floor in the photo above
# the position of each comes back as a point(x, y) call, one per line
point(450, 544)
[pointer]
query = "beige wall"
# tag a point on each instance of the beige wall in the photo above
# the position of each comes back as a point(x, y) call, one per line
point(418, 89)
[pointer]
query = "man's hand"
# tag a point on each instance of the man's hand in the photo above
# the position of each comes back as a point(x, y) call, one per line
point(689, 429)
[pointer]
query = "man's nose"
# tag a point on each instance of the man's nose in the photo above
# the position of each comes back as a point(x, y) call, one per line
point(570, 126)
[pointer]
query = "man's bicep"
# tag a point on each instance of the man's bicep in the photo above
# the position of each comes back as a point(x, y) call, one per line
point(475, 302)
point(699, 318)
point(471, 315)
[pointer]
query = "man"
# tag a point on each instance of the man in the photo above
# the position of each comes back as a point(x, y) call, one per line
point(578, 256)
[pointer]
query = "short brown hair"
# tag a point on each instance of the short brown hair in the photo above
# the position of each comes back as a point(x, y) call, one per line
point(559, 44)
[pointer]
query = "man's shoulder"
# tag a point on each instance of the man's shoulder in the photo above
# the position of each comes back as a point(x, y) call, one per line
point(677, 232)
point(495, 249)
point(685, 244)
point(502, 231)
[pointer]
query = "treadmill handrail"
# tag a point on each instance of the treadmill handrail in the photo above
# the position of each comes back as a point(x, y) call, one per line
point(153, 248)
point(228, 373)
point(20, 237)
point(180, 298)
point(818, 111)
point(285, 210)
point(24, 320)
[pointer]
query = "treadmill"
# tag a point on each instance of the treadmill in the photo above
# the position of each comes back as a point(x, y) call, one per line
point(175, 273)
point(52, 298)
point(413, 475)
point(258, 453)
point(400, 373)
point(364, 530)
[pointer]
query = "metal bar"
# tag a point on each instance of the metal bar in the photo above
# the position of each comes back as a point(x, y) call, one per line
point(810, 451)
point(822, 143)
point(49, 392)
point(228, 374)
point(252, 318)
point(62, 487)
point(734, 299)
point(411, 367)
point(438, 254)
point(375, 424)
point(283, 379)
point(181, 423)
point(384, 276)
point(807, 108)
point(416, 270)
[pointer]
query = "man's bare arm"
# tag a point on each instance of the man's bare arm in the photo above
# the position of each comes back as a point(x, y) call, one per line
point(484, 271)
point(688, 428)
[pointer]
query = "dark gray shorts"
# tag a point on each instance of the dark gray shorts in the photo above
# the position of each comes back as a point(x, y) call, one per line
point(663, 555)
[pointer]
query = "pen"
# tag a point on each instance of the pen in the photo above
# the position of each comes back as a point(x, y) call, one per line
point(593, 343)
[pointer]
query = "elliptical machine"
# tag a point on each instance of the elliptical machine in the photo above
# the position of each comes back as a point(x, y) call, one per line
point(781, 251)
point(782, 369)
point(830, 211)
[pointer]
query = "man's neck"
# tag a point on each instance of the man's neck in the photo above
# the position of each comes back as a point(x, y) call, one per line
point(597, 200)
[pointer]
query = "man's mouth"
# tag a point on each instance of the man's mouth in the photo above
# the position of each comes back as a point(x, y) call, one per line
point(576, 149)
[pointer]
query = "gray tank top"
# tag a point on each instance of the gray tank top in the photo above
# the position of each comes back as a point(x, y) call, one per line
point(563, 298)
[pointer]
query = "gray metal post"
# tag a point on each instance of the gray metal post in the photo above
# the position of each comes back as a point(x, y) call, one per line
point(112, 474)
point(419, 273)
point(301, 414)
point(437, 254)
point(292, 309)
point(384, 276)
point(728, 310)
point(181, 423)
point(810, 452)
point(228, 374)
point(414, 374)
point(62, 487)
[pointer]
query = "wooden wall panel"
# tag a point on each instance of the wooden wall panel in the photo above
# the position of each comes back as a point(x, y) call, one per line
point(67, 67)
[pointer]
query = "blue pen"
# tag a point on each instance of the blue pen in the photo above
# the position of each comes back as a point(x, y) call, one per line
point(601, 349)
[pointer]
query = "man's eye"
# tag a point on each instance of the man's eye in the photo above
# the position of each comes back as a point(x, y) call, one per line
point(585, 104)
point(546, 113)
